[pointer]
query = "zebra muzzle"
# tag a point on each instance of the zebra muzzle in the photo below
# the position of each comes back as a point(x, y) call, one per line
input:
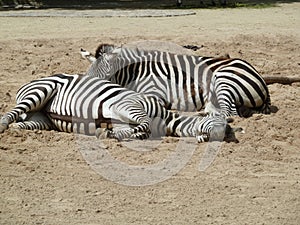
point(230, 133)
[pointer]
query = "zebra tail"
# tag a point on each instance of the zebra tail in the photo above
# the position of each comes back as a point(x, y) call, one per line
point(280, 79)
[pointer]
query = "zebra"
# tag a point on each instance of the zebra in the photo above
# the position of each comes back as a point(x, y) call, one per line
point(223, 85)
point(89, 105)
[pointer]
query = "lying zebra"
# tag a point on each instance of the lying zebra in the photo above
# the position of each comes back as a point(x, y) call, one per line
point(88, 105)
point(187, 82)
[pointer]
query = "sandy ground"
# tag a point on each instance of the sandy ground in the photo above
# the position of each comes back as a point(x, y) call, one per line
point(45, 179)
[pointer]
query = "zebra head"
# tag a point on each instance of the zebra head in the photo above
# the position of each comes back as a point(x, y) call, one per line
point(103, 66)
point(215, 128)
point(104, 48)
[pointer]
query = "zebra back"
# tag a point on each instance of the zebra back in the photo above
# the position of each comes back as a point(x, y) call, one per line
point(187, 82)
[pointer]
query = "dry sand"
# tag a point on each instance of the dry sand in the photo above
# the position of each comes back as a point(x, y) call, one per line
point(44, 178)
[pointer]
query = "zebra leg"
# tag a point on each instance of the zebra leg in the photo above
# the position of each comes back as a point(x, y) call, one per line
point(119, 134)
point(36, 120)
point(225, 109)
point(26, 105)
point(140, 131)
point(265, 108)
point(221, 102)
point(33, 125)
point(141, 135)
point(135, 116)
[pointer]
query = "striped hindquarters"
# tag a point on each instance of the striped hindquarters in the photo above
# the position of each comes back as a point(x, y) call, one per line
point(238, 89)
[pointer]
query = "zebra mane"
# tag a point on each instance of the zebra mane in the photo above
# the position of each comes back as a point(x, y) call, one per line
point(102, 66)
point(110, 48)
point(104, 48)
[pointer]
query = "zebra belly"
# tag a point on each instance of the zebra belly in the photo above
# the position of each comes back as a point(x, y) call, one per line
point(71, 124)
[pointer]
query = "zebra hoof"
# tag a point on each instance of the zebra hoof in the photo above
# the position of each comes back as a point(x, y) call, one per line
point(102, 133)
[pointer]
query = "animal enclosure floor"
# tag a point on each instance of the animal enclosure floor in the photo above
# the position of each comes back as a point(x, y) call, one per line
point(44, 178)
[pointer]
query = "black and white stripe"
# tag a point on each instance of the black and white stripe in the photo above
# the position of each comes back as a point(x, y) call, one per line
point(89, 105)
point(186, 82)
